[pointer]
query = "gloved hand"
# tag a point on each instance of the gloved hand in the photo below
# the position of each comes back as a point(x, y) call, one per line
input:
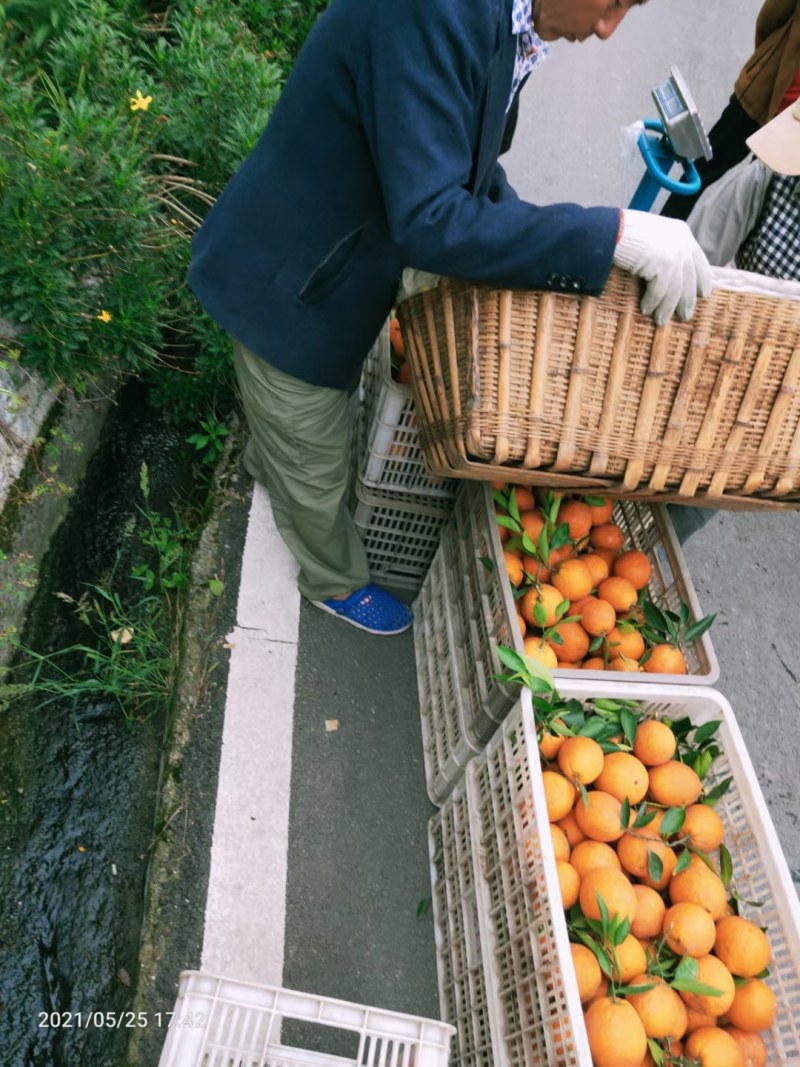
point(664, 253)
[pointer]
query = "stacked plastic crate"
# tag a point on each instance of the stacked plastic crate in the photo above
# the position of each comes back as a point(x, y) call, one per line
point(506, 981)
point(398, 508)
point(466, 609)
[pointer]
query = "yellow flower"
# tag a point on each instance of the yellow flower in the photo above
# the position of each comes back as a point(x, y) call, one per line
point(139, 102)
point(105, 316)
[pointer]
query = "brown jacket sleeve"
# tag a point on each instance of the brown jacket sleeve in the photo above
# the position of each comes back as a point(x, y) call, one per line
point(770, 70)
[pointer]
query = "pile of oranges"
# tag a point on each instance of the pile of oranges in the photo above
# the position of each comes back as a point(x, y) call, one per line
point(401, 371)
point(579, 592)
point(667, 970)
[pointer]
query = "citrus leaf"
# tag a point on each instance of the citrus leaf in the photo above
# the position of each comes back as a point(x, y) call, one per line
point(508, 522)
point(627, 721)
point(704, 856)
point(604, 916)
point(706, 731)
point(683, 862)
point(656, 1052)
point(594, 501)
point(509, 658)
point(529, 545)
point(625, 814)
point(626, 990)
point(687, 968)
point(513, 506)
point(696, 630)
point(718, 791)
point(488, 563)
point(540, 613)
point(560, 536)
point(689, 985)
point(725, 865)
point(600, 953)
point(673, 820)
point(643, 817)
point(584, 797)
point(621, 931)
point(655, 865)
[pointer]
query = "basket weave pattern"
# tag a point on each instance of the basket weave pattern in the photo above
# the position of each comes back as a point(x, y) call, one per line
point(584, 392)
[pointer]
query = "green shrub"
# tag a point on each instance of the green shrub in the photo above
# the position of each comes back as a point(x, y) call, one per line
point(118, 130)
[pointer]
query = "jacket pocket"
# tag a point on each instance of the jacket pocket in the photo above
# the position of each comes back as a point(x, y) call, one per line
point(336, 265)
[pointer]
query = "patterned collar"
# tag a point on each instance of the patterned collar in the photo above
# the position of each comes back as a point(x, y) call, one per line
point(531, 49)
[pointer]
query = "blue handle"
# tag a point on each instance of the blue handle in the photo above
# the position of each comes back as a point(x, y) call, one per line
point(659, 158)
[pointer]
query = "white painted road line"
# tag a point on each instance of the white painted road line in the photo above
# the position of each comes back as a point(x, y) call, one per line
point(246, 905)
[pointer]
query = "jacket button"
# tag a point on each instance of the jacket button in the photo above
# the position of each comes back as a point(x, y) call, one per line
point(552, 279)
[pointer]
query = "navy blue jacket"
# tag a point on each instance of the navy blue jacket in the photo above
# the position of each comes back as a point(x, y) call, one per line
point(381, 154)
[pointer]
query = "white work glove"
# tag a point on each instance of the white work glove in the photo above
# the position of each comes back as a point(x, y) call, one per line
point(664, 253)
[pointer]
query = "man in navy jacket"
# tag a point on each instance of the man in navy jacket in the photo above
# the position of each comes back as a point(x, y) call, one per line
point(382, 154)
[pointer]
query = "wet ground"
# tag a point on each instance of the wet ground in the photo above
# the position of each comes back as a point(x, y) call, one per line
point(78, 783)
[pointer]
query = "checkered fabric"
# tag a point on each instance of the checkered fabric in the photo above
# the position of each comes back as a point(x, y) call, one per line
point(531, 49)
point(773, 245)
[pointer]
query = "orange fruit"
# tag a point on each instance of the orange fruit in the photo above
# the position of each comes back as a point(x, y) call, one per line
point(597, 617)
point(550, 743)
point(559, 795)
point(616, 1035)
point(587, 971)
point(696, 884)
point(665, 659)
point(614, 889)
point(579, 517)
point(560, 843)
point(622, 663)
point(712, 1047)
point(601, 992)
point(629, 960)
point(625, 642)
point(650, 909)
point(396, 337)
point(538, 649)
point(532, 522)
point(699, 1019)
point(618, 592)
point(633, 850)
point(608, 554)
point(742, 946)
point(513, 567)
point(751, 1044)
point(601, 513)
point(570, 827)
point(753, 1007)
point(623, 775)
point(594, 663)
point(503, 532)
point(607, 536)
point(661, 1010)
point(574, 642)
point(703, 827)
point(674, 784)
point(635, 566)
point(558, 555)
point(588, 855)
point(580, 760)
point(546, 595)
point(572, 579)
point(533, 570)
point(524, 498)
point(569, 882)
point(654, 743)
point(599, 816)
point(689, 929)
point(712, 972)
point(598, 567)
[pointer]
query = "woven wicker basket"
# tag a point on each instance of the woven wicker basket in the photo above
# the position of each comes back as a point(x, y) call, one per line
point(587, 393)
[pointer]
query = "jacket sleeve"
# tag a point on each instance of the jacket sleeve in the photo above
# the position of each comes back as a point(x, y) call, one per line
point(728, 210)
point(428, 64)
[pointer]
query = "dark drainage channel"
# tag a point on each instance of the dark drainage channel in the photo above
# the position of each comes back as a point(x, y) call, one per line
point(78, 784)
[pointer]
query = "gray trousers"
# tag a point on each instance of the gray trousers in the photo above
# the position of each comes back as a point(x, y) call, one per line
point(298, 448)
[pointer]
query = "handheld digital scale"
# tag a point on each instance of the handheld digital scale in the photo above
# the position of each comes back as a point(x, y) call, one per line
point(677, 136)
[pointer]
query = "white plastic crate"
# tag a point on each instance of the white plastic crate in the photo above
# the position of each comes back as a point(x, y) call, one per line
point(485, 605)
point(389, 452)
point(221, 1022)
point(465, 985)
point(522, 927)
point(443, 701)
point(400, 532)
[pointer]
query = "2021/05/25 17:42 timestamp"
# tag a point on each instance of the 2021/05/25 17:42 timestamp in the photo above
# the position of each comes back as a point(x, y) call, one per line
point(119, 1020)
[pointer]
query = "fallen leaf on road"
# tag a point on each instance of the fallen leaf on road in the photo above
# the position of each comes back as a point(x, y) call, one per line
point(331, 725)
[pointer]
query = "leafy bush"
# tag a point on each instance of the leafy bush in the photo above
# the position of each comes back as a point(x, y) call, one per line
point(118, 127)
